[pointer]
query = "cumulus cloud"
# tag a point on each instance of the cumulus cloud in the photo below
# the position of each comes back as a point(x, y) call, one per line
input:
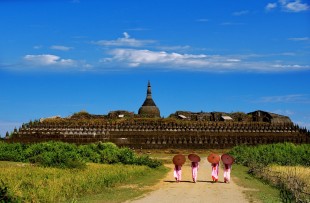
point(296, 6)
point(48, 60)
point(135, 58)
point(271, 6)
point(193, 62)
point(60, 48)
point(289, 6)
point(125, 41)
point(240, 13)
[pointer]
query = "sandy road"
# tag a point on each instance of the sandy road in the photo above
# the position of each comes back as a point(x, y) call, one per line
point(187, 191)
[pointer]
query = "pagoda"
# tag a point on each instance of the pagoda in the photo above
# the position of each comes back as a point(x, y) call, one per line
point(149, 108)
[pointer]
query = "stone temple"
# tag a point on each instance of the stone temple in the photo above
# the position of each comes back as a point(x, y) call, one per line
point(147, 130)
point(149, 108)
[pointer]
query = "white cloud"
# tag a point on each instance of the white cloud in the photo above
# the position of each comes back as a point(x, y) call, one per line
point(240, 13)
point(299, 39)
point(48, 60)
point(203, 20)
point(291, 67)
point(289, 6)
point(232, 23)
point(37, 46)
point(296, 6)
point(170, 48)
point(194, 62)
point(126, 41)
point(271, 6)
point(135, 58)
point(292, 98)
point(284, 112)
point(60, 48)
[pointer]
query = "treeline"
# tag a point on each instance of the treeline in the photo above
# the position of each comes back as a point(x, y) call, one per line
point(65, 155)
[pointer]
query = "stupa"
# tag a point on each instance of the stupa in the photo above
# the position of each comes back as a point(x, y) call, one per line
point(149, 108)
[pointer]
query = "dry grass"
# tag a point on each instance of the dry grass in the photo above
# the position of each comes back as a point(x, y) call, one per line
point(293, 181)
point(37, 184)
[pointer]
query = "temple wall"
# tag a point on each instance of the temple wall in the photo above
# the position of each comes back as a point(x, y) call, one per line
point(154, 138)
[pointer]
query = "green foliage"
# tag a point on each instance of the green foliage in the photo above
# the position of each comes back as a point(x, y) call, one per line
point(284, 154)
point(4, 194)
point(54, 154)
point(146, 160)
point(109, 153)
point(90, 153)
point(65, 155)
point(12, 152)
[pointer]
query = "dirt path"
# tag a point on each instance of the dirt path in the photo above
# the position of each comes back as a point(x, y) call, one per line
point(187, 191)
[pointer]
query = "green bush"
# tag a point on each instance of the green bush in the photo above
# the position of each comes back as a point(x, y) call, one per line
point(54, 154)
point(65, 155)
point(89, 153)
point(12, 152)
point(109, 153)
point(285, 154)
point(126, 156)
point(146, 160)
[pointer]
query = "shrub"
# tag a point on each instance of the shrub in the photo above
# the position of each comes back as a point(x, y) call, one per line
point(109, 153)
point(126, 156)
point(89, 153)
point(285, 154)
point(54, 154)
point(146, 160)
point(65, 155)
point(12, 152)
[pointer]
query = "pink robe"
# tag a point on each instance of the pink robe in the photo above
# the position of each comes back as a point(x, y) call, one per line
point(227, 170)
point(215, 172)
point(177, 172)
point(195, 167)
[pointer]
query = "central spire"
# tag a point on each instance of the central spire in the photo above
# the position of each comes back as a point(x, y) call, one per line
point(149, 91)
point(149, 108)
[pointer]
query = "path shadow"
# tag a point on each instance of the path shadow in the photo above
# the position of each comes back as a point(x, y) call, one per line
point(209, 181)
point(182, 181)
point(200, 181)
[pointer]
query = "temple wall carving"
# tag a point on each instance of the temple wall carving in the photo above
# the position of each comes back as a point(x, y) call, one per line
point(165, 136)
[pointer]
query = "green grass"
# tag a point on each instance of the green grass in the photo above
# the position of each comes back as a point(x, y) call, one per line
point(129, 190)
point(112, 182)
point(255, 188)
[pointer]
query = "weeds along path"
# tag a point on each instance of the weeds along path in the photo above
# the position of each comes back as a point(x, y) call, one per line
point(187, 191)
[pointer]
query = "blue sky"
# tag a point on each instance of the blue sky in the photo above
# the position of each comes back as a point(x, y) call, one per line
point(63, 56)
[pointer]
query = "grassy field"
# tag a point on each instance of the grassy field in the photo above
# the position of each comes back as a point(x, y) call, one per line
point(107, 183)
point(116, 183)
point(293, 181)
point(256, 189)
